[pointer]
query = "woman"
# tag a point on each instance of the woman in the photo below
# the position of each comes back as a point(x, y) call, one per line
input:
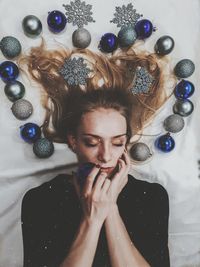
point(102, 217)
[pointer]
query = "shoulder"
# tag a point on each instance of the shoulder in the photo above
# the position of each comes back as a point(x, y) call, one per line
point(153, 193)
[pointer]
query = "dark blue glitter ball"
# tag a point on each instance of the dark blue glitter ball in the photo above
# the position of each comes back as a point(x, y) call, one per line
point(108, 43)
point(56, 21)
point(30, 132)
point(8, 71)
point(165, 143)
point(143, 28)
point(184, 89)
point(83, 171)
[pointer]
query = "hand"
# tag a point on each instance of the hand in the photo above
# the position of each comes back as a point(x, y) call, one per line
point(93, 196)
point(120, 179)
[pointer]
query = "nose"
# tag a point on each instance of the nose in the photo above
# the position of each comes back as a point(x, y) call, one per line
point(104, 153)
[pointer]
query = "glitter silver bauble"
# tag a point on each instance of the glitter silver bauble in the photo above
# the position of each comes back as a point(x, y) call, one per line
point(10, 47)
point(183, 107)
point(14, 90)
point(127, 36)
point(32, 26)
point(164, 45)
point(184, 68)
point(174, 123)
point(140, 152)
point(43, 148)
point(22, 109)
point(81, 38)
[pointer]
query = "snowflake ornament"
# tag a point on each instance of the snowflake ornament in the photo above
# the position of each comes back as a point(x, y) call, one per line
point(142, 82)
point(78, 13)
point(75, 71)
point(125, 16)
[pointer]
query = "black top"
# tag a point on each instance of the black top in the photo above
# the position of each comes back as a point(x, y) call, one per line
point(51, 215)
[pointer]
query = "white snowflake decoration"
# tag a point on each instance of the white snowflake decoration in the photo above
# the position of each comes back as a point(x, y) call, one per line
point(78, 13)
point(142, 82)
point(125, 16)
point(75, 71)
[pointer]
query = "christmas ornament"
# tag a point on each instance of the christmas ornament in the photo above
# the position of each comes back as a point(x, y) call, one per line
point(81, 38)
point(125, 16)
point(174, 123)
point(165, 143)
point(83, 171)
point(184, 68)
point(140, 152)
point(144, 28)
point(32, 26)
point(75, 71)
point(142, 81)
point(14, 90)
point(10, 47)
point(127, 36)
point(108, 43)
point(43, 148)
point(56, 21)
point(30, 132)
point(164, 45)
point(22, 109)
point(184, 89)
point(183, 107)
point(8, 71)
point(78, 13)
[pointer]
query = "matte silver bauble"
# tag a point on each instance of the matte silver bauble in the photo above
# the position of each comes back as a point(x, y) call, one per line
point(22, 109)
point(81, 38)
point(174, 123)
point(127, 36)
point(14, 90)
point(43, 148)
point(140, 152)
point(32, 26)
point(10, 47)
point(183, 107)
point(164, 45)
point(184, 68)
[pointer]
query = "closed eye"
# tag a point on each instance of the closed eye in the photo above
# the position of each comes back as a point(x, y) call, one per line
point(92, 145)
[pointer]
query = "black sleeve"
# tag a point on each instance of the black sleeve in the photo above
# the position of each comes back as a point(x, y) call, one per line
point(42, 244)
point(157, 233)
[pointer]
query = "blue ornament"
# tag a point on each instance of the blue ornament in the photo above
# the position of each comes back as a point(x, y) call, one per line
point(144, 28)
point(184, 89)
point(83, 171)
point(8, 71)
point(165, 143)
point(30, 132)
point(108, 43)
point(56, 21)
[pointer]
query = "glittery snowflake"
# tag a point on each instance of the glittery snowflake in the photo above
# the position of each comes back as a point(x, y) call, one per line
point(78, 13)
point(125, 16)
point(142, 82)
point(75, 71)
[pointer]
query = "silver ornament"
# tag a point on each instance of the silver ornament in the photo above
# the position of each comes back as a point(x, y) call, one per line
point(183, 107)
point(32, 26)
point(81, 38)
point(22, 109)
point(140, 152)
point(184, 68)
point(10, 47)
point(164, 45)
point(127, 36)
point(174, 123)
point(43, 148)
point(14, 90)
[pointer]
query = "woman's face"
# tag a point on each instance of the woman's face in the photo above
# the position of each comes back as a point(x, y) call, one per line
point(101, 138)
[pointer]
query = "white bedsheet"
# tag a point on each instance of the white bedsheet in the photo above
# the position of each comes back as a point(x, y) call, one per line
point(178, 171)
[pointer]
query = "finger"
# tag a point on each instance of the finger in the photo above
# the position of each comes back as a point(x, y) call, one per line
point(106, 186)
point(100, 180)
point(87, 188)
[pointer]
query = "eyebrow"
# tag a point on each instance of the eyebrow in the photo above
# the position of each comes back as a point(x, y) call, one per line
point(97, 136)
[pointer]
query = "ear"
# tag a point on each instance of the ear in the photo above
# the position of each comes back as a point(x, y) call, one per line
point(71, 141)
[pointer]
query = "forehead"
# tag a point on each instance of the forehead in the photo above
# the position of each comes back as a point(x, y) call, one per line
point(105, 123)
